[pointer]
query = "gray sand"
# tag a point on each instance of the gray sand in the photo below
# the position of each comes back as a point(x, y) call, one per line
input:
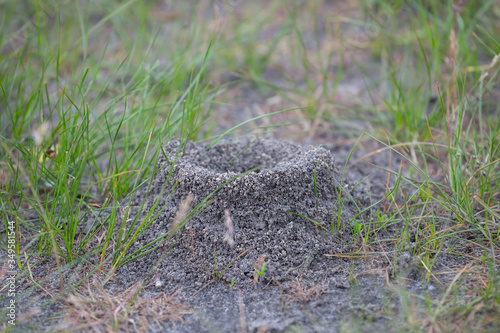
point(291, 179)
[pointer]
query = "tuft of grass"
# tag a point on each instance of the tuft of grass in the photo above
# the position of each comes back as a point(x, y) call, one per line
point(80, 129)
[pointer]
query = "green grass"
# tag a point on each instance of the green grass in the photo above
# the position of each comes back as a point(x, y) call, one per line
point(90, 93)
point(99, 121)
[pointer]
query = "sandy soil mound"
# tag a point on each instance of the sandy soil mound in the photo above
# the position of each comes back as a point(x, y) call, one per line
point(269, 209)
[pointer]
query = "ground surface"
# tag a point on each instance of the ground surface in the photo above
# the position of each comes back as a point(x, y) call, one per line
point(313, 280)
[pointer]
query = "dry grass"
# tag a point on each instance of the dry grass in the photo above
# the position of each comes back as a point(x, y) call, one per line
point(93, 308)
point(95, 305)
point(304, 291)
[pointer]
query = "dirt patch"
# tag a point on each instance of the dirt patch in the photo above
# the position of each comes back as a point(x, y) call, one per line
point(286, 212)
point(316, 277)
